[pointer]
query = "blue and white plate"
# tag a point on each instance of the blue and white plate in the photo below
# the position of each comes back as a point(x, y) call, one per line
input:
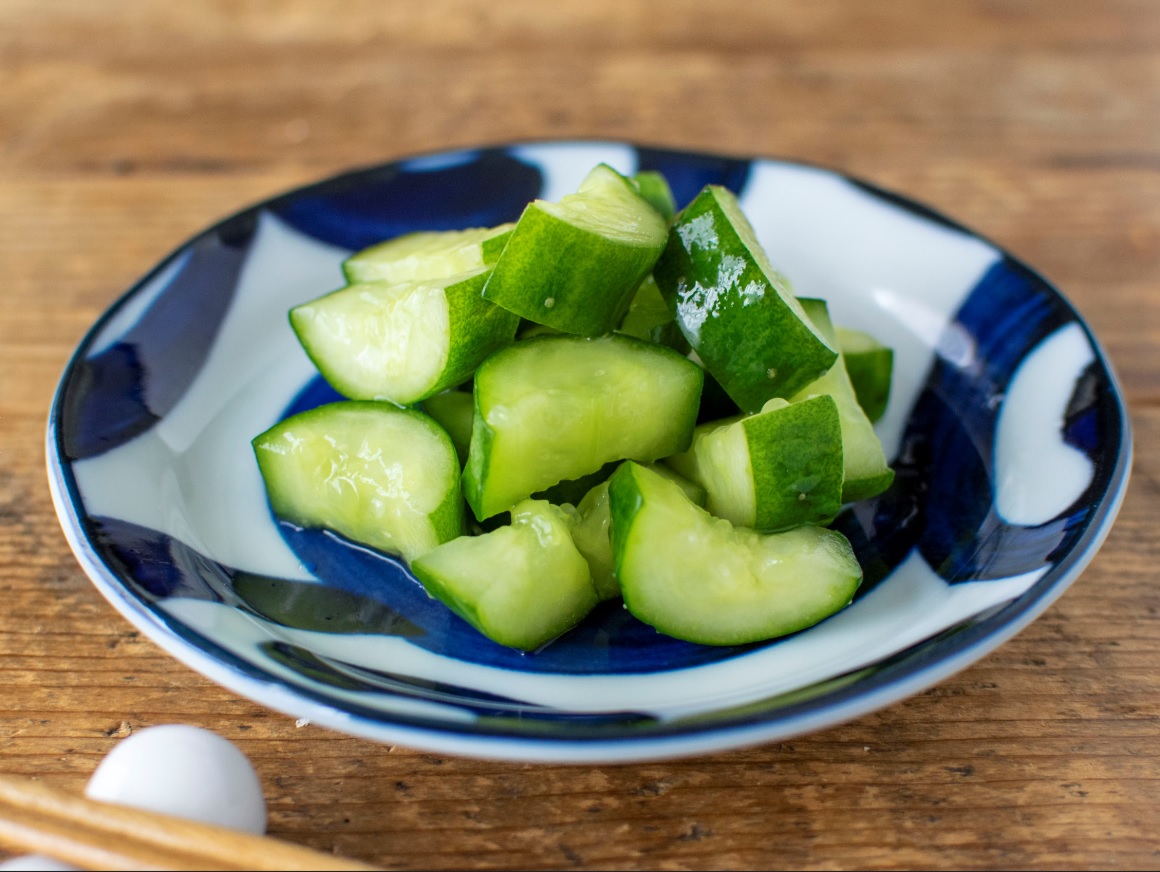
point(1006, 426)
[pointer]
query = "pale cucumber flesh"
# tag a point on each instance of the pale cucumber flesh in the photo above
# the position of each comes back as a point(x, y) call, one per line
point(699, 578)
point(378, 475)
point(559, 407)
point(521, 585)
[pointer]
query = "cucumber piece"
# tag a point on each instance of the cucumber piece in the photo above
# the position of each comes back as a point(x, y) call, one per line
point(453, 411)
point(866, 472)
point(379, 475)
point(433, 254)
point(774, 470)
point(573, 265)
point(699, 578)
point(737, 312)
point(590, 530)
point(870, 364)
point(521, 585)
point(558, 407)
point(404, 341)
point(654, 187)
point(650, 319)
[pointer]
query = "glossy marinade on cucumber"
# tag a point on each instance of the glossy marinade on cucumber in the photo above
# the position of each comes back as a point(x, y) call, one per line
point(627, 397)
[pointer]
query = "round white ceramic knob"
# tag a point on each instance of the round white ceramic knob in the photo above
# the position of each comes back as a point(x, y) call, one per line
point(186, 772)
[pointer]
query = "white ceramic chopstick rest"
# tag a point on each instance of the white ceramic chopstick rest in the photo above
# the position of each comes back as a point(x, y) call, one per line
point(186, 772)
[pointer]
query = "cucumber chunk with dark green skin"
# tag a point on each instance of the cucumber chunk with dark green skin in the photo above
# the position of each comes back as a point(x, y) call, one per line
point(573, 265)
point(870, 365)
point(521, 585)
point(379, 475)
point(556, 408)
point(590, 529)
point(774, 470)
point(866, 472)
point(736, 311)
point(699, 578)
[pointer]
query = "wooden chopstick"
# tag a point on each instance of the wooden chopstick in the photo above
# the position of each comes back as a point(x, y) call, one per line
point(100, 835)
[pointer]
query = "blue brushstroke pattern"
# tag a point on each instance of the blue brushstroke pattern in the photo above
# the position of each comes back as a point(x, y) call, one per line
point(942, 501)
point(124, 390)
point(364, 208)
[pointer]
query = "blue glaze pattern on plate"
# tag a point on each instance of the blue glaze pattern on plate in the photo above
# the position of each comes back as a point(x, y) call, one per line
point(1006, 429)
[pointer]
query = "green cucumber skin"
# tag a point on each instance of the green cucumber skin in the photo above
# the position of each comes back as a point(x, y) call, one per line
point(870, 373)
point(757, 347)
point(867, 472)
point(453, 411)
point(807, 461)
point(654, 187)
point(469, 313)
point(632, 491)
point(478, 488)
point(570, 286)
point(492, 247)
point(649, 318)
point(447, 521)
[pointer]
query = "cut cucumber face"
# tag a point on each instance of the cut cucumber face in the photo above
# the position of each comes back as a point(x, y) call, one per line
point(699, 578)
point(402, 342)
point(866, 472)
point(521, 585)
point(774, 470)
point(590, 530)
point(573, 265)
point(438, 254)
point(555, 408)
point(870, 365)
point(379, 475)
point(736, 311)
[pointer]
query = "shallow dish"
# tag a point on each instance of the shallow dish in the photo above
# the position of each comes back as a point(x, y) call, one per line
point(1006, 426)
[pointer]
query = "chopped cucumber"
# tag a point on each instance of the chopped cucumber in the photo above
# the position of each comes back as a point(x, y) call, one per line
point(866, 472)
point(649, 318)
point(573, 265)
point(521, 585)
point(699, 578)
point(590, 530)
point(737, 312)
point(435, 254)
point(774, 470)
point(402, 342)
point(870, 364)
point(379, 475)
point(453, 411)
point(654, 187)
point(559, 407)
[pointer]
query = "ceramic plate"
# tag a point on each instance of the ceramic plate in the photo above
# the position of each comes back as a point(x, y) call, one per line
point(1006, 428)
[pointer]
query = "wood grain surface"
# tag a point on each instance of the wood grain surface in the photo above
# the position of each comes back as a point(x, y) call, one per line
point(127, 126)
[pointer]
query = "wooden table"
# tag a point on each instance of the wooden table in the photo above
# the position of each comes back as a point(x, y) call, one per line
point(125, 127)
